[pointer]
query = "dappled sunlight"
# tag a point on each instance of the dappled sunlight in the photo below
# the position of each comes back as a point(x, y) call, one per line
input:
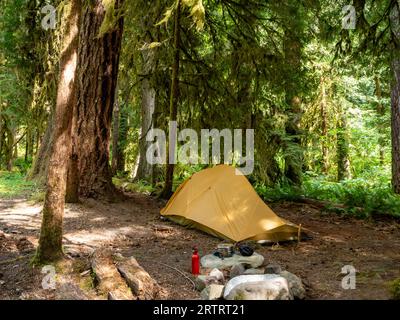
point(99, 219)
point(20, 214)
point(98, 236)
point(69, 213)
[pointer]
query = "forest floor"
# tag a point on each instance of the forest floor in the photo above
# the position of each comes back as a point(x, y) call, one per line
point(132, 227)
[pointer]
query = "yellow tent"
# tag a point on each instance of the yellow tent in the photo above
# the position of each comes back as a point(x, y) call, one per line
point(224, 204)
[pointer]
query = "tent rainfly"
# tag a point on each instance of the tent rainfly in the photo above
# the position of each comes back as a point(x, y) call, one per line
point(220, 202)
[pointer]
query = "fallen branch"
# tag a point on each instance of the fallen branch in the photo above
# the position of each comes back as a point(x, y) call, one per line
point(180, 272)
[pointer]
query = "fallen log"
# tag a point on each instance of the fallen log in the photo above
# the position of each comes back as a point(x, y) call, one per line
point(110, 281)
point(143, 286)
point(321, 204)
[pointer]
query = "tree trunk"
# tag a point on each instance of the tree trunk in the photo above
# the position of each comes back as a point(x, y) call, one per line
point(293, 148)
point(169, 175)
point(115, 135)
point(10, 149)
point(395, 119)
point(343, 163)
point(98, 71)
point(1, 136)
point(40, 164)
point(145, 169)
point(72, 188)
point(50, 241)
point(122, 137)
point(119, 135)
point(324, 128)
point(27, 143)
point(380, 110)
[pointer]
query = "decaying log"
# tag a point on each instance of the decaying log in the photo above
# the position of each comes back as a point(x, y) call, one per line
point(110, 281)
point(143, 286)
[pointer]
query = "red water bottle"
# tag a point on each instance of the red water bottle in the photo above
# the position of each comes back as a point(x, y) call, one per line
point(195, 262)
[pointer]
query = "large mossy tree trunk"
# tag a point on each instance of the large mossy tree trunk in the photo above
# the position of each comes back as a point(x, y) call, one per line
point(173, 110)
point(99, 54)
point(50, 241)
point(44, 94)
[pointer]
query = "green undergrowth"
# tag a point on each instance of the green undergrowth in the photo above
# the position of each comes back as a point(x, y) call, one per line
point(366, 197)
point(357, 197)
point(14, 185)
point(394, 287)
point(133, 186)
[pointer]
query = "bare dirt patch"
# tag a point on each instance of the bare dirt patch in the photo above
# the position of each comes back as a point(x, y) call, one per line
point(133, 227)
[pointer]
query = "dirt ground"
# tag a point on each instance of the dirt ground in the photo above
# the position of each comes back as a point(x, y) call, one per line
point(133, 227)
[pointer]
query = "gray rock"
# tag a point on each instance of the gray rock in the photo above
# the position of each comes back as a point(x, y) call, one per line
point(237, 270)
point(273, 269)
point(212, 292)
point(217, 274)
point(210, 261)
point(257, 287)
point(203, 281)
point(254, 271)
point(295, 284)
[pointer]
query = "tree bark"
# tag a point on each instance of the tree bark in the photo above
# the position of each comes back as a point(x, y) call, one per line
point(169, 175)
point(324, 128)
point(145, 169)
point(395, 124)
point(50, 241)
point(293, 148)
point(99, 60)
point(395, 96)
point(28, 149)
point(380, 110)
point(10, 149)
point(122, 137)
point(40, 164)
point(343, 163)
point(72, 188)
point(115, 136)
point(1, 136)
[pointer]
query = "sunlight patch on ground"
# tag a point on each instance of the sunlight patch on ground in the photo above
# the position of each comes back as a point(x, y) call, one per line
point(97, 237)
point(72, 213)
point(98, 219)
point(18, 213)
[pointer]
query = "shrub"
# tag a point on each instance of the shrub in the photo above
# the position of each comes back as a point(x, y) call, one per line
point(395, 289)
